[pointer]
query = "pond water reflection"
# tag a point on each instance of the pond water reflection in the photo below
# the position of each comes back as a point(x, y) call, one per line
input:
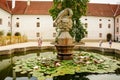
point(6, 71)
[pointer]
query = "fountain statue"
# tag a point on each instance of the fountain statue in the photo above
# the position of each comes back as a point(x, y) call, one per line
point(64, 42)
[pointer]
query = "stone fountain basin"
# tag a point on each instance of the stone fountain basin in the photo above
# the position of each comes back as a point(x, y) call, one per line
point(64, 49)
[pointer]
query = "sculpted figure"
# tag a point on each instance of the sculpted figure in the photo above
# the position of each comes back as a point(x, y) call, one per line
point(64, 20)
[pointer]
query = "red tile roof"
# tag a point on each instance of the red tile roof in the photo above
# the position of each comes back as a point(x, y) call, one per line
point(105, 10)
point(42, 8)
point(4, 5)
point(37, 8)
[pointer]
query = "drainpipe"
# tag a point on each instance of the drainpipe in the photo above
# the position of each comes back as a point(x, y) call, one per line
point(11, 29)
point(115, 13)
point(114, 28)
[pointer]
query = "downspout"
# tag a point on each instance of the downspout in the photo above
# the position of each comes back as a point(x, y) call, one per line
point(114, 27)
point(114, 19)
point(114, 14)
point(10, 21)
point(11, 29)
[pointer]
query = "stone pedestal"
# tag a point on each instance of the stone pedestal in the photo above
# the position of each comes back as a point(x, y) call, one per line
point(65, 46)
point(64, 52)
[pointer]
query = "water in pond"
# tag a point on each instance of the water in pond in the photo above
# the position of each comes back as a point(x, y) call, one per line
point(6, 71)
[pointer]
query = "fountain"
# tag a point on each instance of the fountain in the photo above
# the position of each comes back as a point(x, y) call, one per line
point(64, 44)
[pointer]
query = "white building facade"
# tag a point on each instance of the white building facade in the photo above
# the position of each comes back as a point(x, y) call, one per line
point(5, 21)
point(34, 26)
point(98, 27)
point(117, 28)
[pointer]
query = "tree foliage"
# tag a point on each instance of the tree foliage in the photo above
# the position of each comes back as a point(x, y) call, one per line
point(79, 9)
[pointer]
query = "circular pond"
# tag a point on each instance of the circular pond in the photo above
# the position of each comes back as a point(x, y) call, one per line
point(43, 65)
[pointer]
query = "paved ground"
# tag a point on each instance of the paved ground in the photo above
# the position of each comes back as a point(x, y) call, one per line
point(94, 44)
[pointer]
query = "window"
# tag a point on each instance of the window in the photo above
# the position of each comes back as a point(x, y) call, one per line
point(100, 35)
point(100, 25)
point(86, 25)
point(17, 24)
point(37, 34)
point(0, 21)
point(117, 29)
point(109, 25)
point(17, 18)
point(100, 19)
point(117, 20)
point(38, 18)
point(8, 17)
point(38, 24)
point(109, 20)
point(54, 34)
point(9, 24)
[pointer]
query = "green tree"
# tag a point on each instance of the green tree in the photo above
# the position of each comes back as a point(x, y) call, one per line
point(79, 9)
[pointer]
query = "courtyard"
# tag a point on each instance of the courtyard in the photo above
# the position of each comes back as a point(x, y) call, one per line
point(59, 40)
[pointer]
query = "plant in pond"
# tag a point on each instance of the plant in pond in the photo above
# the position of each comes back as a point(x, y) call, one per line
point(79, 9)
point(83, 62)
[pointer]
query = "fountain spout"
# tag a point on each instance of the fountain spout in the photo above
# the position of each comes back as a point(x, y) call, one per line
point(64, 44)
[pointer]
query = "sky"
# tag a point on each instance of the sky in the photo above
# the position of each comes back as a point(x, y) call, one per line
point(92, 1)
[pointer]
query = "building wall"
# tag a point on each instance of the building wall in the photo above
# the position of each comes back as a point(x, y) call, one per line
point(6, 21)
point(117, 28)
point(93, 27)
point(27, 26)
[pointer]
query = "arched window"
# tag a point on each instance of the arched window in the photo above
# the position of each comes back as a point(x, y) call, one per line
point(17, 34)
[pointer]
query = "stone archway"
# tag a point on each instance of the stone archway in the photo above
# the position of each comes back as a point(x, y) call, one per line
point(17, 34)
point(109, 36)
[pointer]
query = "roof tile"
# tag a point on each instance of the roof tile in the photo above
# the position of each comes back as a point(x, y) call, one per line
point(42, 8)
